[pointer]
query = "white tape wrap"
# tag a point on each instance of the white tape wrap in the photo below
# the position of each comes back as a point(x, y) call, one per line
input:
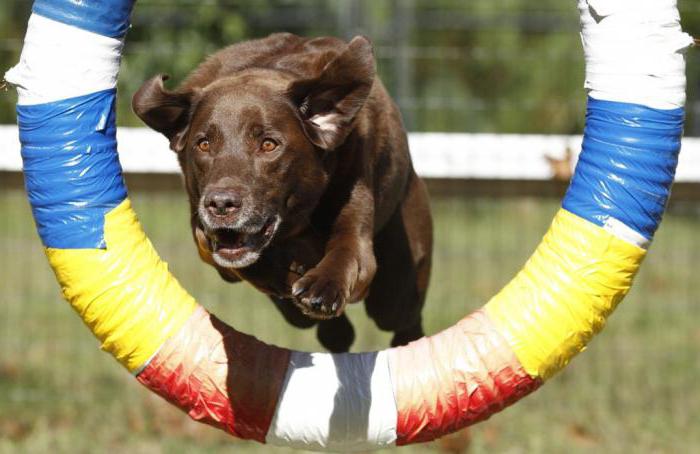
point(79, 63)
point(642, 65)
point(335, 402)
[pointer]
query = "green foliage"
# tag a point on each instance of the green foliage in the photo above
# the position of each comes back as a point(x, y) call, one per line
point(13, 22)
point(452, 65)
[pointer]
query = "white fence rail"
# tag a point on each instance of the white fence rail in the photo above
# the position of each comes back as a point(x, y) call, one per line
point(435, 155)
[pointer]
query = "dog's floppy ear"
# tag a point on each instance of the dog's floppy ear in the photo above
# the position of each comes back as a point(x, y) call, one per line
point(168, 112)
point(329, 103)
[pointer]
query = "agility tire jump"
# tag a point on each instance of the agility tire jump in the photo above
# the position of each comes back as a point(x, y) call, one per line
point(114, 279)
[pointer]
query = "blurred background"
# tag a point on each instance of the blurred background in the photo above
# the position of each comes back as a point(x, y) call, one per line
point(453, 66)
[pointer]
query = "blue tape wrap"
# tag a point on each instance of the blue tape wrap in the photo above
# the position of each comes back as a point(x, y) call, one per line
point(105, 17)
point(71, 168)
point(627, 164)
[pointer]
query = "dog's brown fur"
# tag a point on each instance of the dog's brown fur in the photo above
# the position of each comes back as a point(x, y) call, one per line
point(300, 182)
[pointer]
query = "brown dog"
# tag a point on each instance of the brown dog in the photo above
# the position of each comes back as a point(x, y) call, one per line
point(300, 181)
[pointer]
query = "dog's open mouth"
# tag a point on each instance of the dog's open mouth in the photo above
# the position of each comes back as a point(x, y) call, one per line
point(238, 248)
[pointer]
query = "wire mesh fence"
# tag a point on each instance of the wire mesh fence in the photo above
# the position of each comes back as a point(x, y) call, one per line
point(635, 388)
point(468, 66)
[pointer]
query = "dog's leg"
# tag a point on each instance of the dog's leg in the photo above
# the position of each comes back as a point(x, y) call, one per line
point(336, 334)
point(346, 270)
point(403, 250)
point(292, 314)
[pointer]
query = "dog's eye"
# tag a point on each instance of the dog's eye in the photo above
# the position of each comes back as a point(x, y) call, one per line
point(203, 145)
point(268, 145)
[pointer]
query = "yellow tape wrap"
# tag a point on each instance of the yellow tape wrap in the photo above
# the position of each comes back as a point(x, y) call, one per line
point(125, 293)
point(565, 292)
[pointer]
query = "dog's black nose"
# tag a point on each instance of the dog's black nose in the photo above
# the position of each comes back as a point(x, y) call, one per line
point(222, 202)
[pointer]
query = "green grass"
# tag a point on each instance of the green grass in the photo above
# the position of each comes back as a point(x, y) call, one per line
point(634, 389)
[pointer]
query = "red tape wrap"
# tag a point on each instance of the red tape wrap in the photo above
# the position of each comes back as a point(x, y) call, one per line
point(458, 377)
point(219, 376)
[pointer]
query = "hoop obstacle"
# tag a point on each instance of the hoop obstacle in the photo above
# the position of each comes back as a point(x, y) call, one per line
point(112, 276)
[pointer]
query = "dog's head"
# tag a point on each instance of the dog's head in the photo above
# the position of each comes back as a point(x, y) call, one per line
point(253, 147)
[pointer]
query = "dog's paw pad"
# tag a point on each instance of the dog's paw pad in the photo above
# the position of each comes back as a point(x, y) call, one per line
point(319, 297)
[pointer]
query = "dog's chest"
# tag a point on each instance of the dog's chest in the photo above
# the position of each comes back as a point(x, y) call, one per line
point(281, 265)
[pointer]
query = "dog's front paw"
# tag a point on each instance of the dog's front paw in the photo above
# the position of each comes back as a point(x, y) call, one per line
point(320, 296)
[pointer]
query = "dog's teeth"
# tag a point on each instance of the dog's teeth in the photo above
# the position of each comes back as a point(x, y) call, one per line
point(334, 307)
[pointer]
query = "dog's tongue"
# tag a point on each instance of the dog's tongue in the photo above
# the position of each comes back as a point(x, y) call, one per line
point(229, 239)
